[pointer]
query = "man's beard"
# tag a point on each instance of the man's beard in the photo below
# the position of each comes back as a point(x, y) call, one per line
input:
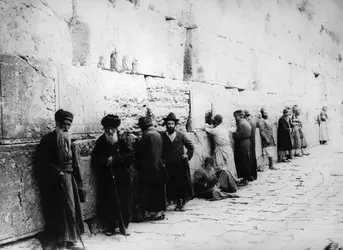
point(170, 130)
point(265, 116)
point(111, 138)
point(63, 144)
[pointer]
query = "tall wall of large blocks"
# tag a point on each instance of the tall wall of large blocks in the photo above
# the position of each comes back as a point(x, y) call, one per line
point(95, 57)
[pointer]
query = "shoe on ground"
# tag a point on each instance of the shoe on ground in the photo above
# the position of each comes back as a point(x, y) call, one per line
point(272, 168)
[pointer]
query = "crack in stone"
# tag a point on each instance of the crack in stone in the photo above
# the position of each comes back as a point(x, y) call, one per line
point(35, 68)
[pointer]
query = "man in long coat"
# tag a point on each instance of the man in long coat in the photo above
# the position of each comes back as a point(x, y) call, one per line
point(267, 138)
point(284, 142)
point(58, 172)
point(111, 157)
point(243, 148)
point(151, 171)
point(179, 186)
point(253, 161)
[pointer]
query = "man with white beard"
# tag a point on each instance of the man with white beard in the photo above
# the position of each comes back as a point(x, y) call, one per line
point(60, 182)
point(111, 157)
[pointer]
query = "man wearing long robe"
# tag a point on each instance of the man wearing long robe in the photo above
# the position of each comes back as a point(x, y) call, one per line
point(111, 157)
point(284, 131)
point(253, 160)
point(57, 168)
point(206, 184)
point(322, 121)
point(243, 148)
point(223, 158)
point(151, 171)
point(267, 138)
point(179, 186)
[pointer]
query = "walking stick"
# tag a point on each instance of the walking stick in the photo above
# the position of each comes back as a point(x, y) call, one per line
point(121, 221)
point(71, 215)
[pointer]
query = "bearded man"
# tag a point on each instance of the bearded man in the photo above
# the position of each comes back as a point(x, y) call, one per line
point(179, 186)
point(111, 157)
point(57, 168)
point(253, 161)
point(284, 141)
point(243, 149)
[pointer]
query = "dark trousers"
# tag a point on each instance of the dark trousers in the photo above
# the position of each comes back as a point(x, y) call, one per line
point(243, 156)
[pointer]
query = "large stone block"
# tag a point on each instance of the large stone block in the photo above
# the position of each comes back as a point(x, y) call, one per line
point(20, 206)
point(215, 98)
point(90, 93)
point(216, 59)
point(31, 28)
point(62, 8)
point(31, 244)
point(28, 97)
point(171, 9)
point(129, 39)
point(165, 95)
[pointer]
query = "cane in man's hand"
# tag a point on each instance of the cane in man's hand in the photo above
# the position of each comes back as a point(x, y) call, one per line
point(121, 221)
point(72, 215)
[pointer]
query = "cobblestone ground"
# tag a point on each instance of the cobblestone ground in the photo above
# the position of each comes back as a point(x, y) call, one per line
point(299, 206)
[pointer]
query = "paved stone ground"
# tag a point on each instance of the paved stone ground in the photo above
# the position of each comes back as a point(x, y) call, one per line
point(299, 206)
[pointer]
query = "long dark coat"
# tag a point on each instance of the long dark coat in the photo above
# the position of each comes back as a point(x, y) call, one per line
point(243, 149)
point(151, 170)
point(253, 161)
point(179, 185)
point(123, 156)
point(55, 202)
point(283, 135)
point(266, 132)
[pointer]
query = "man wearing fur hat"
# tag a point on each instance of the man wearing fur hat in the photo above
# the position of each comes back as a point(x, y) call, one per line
point(179, 186)
point(57, 169)
point(151, 171)
point(112, 156)
point(242, 143)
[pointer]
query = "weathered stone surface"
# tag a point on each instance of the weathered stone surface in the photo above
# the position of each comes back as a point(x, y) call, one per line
point(129, 39)
point(31, 244)
point(28, 97)
point(90, 93)
point(20, 207)
point(165, 95)
point(63, 8)
point(30, 28)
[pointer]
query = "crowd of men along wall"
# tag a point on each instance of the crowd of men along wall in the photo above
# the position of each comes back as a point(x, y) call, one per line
point(99, 57)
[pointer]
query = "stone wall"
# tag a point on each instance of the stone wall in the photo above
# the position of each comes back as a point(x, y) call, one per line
point(186, 56)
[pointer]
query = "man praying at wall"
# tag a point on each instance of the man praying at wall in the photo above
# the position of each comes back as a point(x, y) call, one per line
point(243, 149)
point(179, 186)
point(111, 158)
point(61, 186)
point(253, 161)
point(151, 170)
point(267, 137)
point(322, 121)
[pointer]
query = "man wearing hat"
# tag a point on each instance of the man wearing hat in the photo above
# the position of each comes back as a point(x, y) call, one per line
point(284, 131)
point(57, 169)
point(243, 149)
point(253, 161)
point(179, 186)
point(151, 171)
point(111, 157)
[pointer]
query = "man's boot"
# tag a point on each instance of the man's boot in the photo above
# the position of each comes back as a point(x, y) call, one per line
point(271, 163)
